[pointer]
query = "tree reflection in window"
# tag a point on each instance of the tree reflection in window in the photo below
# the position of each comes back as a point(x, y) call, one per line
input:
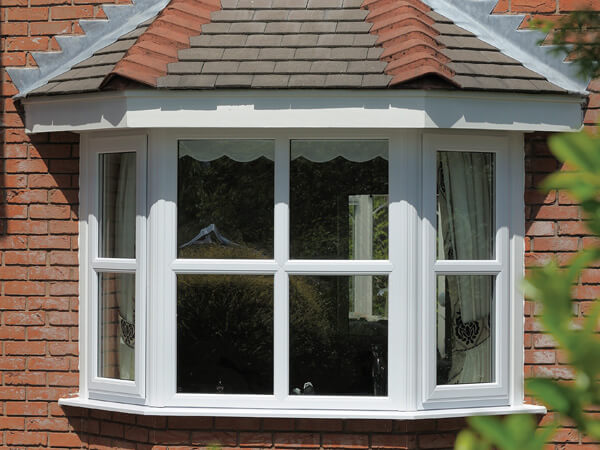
point(225, 199)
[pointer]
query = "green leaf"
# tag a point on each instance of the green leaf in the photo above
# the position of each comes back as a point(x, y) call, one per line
point(580, 150)
point(493, 429)
point(550, 392)
point(593, 428)
point(542, 436)
point(521, 427)
point(467, 440)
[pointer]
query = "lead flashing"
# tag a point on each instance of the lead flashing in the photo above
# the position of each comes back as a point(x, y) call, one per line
point(98, 34)
point(502, 31)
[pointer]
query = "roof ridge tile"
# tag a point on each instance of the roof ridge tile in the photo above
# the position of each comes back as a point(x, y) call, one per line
point(411, 48)
point(390, 17)
point(395, 36)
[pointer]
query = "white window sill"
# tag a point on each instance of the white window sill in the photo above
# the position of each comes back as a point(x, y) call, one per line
point(299, 413)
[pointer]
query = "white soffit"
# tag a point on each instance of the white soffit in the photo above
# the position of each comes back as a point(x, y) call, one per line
point(76, 48)
point(304, 109)
point(502, 31)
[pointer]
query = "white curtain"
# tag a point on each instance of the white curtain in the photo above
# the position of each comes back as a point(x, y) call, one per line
point(315, 151)
point(125, 215)
point(465, 232)
point(238, 150)
point(355, 151)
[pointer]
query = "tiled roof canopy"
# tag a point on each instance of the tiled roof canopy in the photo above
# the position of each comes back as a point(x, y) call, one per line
point(207, 44)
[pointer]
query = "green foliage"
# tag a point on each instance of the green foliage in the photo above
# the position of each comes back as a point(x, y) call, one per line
point(552, 287)
point(515, 432)
point(576, 35)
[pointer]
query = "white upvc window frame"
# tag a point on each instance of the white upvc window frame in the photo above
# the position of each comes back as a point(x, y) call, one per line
point(411, 269)
point(495, 393)
point(93, 147)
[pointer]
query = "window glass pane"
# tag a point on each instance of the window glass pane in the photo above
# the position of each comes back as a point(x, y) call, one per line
point(225, 334)
point(116, 355)
point(465, 205)
point(225, 199)
point(338, 335)
point(118, 205)
point(465, 346)
point(338, 200)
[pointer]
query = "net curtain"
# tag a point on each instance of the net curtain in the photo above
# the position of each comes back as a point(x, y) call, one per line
point(465, 232)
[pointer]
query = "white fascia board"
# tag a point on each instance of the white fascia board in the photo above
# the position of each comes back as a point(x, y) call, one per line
point(75, 113)
point(305, 109)
point(299, 413)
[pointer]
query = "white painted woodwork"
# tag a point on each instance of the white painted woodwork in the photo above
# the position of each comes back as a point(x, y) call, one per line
point(321, 109)
point(411, 270)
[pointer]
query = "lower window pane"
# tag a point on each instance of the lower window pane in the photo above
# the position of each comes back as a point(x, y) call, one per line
point(338, 335)
point(225, 334)
point(116, 356)
point(465, 347)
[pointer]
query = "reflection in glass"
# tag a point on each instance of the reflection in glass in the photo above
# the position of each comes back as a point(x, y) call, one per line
point(225, 199)
point(225, 334)
point(116, 337)
point(338, 335)
point(338, 200)
point(118, 205)
point(465, 205)
point(464, 329)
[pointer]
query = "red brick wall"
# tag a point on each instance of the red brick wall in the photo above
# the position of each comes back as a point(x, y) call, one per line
point(554, 229)
point(30, 25)
point(38, 283)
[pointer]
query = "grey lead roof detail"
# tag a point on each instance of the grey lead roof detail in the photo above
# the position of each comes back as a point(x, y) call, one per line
point(481, 66)
point(503, 32)
point(279, 44)
point(97, 33)
point(89, 74)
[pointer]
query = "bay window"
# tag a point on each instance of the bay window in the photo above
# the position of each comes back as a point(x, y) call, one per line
point(290, 272)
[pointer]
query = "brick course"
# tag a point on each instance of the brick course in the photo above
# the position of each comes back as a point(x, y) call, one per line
point(38, 283)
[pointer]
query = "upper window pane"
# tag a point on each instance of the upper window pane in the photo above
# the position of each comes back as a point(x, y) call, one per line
point(118, 205)
point(225, 199)
point(339, 199)
point(465, 205)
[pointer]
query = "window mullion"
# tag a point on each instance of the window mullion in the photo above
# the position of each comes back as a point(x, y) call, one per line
point(161, 314)
point(281, 249)
point(403, 251)
point(516, 265)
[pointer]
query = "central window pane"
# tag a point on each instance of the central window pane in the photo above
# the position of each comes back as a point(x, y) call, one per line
point(338, 335)
point(338, 199)
point(225, 334)
point(225, 199)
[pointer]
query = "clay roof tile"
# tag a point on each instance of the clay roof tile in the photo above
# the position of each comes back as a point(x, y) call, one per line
point(211, 44)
